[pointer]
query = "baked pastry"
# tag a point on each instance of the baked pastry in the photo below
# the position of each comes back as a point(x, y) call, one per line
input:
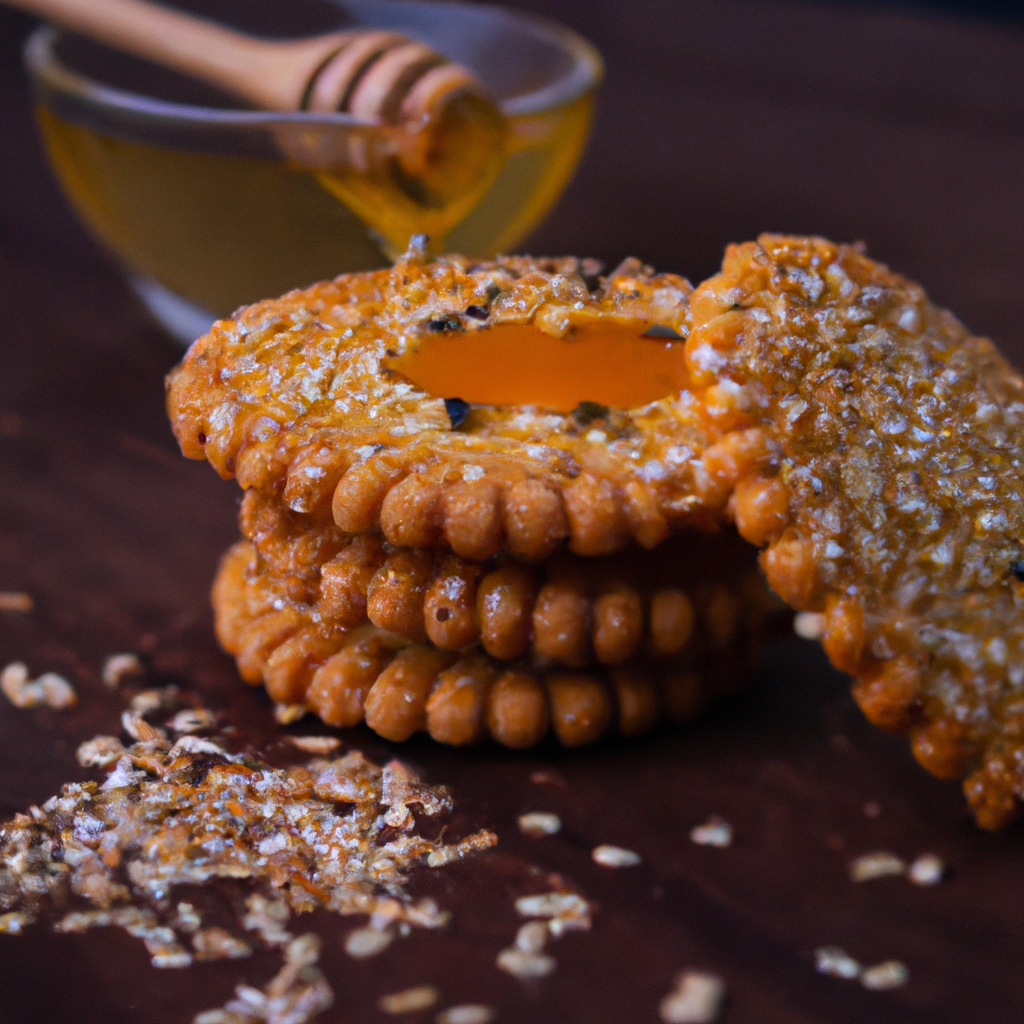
point(858, 433)
point(895, 506)
point(586, 438)
point(584, 645)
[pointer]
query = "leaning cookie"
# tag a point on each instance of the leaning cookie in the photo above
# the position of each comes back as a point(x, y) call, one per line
point(518, 405)
point(347, 673)
point(895, 508)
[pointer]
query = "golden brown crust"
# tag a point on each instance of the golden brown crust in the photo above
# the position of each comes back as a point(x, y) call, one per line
point(400, 685)
point(896, 504)
point(293, 399)
point(566, 611)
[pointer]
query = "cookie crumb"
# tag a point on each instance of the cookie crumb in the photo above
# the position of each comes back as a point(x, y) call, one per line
point(522, 964)
point(927, 869)
point(880, 864)
point(883, 976)
point(316, 744)
point(696, 999)
point(50, 689)
point(835, 962)
point(363, 943)
point(809, 625)
point(714, 832)
point(614, 857)
point(539, 823)
point(467, 1013)
point(409, 1000)
point(118, 667)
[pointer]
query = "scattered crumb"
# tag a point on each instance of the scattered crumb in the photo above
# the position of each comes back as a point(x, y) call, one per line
point(567, 911)
point(138, 728)
point(469, 1013)
point(543, 778)
point(15, 601)
point(881, 864)
point(928, 869)
point(118, 667)
point(409, 1000)
point(522, 964)
point(890, 974)
point(110, 853)
point(362, 943)
point(316, 744)
point(532, 937)
point(872, 809)
point(539, 823)
point(614, 857)
point(153, 700)
point(12, 923)
point(809, 625)
point(218, 944)
point(99, 752)
point(286, 714)
point(714, 832)
point(295, 995)
point(835, 962)
point(187, 919)
point(267, 917)
point(696, 999)
point(191, 720)
point(50, 689)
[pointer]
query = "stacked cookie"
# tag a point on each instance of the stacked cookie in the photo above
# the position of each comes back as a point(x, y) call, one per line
point(466, 568)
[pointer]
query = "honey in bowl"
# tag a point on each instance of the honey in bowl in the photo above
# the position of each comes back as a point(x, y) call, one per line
point(213, 206)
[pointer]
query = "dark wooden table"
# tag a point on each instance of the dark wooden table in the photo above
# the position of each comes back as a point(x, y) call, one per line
point(718, 120)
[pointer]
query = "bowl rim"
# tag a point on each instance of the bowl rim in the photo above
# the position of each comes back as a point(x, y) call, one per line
point(584, 74)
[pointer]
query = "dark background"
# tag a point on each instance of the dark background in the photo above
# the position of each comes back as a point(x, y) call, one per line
point(902, 126)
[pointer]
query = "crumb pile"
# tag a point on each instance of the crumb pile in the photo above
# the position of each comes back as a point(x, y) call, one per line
point(339, 834)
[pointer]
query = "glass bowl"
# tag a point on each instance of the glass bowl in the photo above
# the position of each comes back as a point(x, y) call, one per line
point(210, 207)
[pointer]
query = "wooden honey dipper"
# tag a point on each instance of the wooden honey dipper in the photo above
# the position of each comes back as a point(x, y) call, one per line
point(377, 76)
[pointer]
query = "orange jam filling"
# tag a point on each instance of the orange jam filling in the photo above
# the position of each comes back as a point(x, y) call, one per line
point(515, 364)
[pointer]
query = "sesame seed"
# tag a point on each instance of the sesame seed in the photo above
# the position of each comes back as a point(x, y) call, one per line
point(532, 937)
point(696, 999)
point(468, 1013)
point(928, 869)
point(521, 964)
point(117, 666)
point(366, 942)
point(714, 832)
point(876, 865)
point(809, 625)
point(890, 974)
point(539, 823)
point(316, 744)
point(409, 1000)
point(835, 962)
point(614, 857)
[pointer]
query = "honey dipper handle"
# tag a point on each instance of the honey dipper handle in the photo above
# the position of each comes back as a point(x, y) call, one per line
point(274, 75)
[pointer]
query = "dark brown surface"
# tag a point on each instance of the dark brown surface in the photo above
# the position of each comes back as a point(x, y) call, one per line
point(718, 121)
